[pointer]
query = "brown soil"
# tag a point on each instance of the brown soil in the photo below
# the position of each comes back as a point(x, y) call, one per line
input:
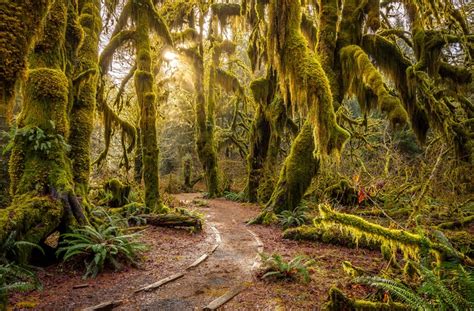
point(172, 250)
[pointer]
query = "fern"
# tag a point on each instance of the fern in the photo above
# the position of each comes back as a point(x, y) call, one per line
point(434, 293)
point(100, 246)
point(232, 196)
point(294, 218)
point(275, 266)
point(397, 289)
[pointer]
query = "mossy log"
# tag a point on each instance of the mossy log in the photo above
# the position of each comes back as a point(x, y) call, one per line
point(329, 235)
point(173, 220)
point(457, 223)
point(338, 301)
point(411, 244)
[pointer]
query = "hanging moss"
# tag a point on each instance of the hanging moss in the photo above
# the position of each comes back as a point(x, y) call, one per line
point(177, 12)
point(373, 14)
point(364, 81)
point(229, 82)
point(302, 76)
point(225, 10)
point(393, 64)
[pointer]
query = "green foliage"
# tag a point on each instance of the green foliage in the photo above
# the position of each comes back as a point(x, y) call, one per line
point(294, 218)
point(232, 196)
point(201, 203)
point(276, 267)
point(434, 292)
point(38, 139)
point(106, 244)
point(15, 276)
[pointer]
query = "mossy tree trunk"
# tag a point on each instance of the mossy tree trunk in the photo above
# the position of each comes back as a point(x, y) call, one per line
point(83, 109)
point(304, 84)
point(298, 170)
point(40, 171)
point(259, 142)
point(262, 138)
point(205, 142)
point(146, 99)
point(20, 22)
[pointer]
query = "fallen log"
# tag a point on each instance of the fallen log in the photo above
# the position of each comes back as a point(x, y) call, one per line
point(224, 298)
point(173, 220)
point(160, 282)
point(105, 306)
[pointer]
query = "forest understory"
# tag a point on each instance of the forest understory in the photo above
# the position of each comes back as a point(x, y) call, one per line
point(236, 155)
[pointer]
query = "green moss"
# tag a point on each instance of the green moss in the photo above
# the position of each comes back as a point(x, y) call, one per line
point(339, 301)
point(328, 235)
point(20, 22)
point(32, 217)
point(410, 244)
point(83, 108)
point(302, 76)
point(225, 10)
point(120, 193)
point(297, 173)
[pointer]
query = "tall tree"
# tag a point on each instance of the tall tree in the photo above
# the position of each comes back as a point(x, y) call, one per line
point(146, 21)
point(40, 170)
point(83, 108)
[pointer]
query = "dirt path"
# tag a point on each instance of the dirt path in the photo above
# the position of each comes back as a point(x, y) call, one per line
point(228, 267)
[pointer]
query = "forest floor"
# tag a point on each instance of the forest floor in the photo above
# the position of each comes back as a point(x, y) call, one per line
point(231, 265)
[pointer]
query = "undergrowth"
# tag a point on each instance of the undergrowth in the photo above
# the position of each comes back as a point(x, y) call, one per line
point(275, 267)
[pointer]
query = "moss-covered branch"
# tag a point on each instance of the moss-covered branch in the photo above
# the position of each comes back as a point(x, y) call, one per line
point(409, 243)
point(364, 81)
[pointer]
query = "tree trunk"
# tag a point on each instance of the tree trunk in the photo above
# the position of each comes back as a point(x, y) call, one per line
point(146, 100)
point(83, 109)
point(41, 173)
point(20, 22)
point(259, 143)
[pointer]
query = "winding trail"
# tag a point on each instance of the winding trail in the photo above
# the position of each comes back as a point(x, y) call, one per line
point(228, 268)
